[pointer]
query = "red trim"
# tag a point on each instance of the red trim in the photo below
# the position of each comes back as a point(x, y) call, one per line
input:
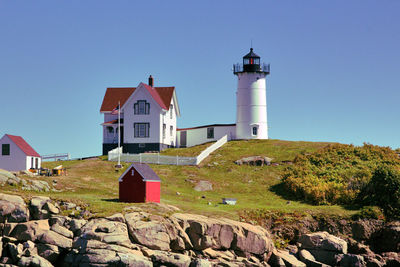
point(23, 145)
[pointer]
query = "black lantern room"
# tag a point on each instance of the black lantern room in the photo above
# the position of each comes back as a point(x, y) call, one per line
point(251, 63)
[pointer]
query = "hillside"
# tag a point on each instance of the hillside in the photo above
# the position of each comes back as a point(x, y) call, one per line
point(94, 182)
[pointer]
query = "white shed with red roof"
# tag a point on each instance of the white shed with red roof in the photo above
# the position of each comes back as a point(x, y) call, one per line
point(17, 154)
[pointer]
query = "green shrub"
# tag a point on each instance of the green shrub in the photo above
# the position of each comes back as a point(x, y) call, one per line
point(369, 212)
point(384, 191)
point(337, 173)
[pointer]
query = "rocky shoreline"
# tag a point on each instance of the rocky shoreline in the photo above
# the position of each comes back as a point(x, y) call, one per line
point(36, 234)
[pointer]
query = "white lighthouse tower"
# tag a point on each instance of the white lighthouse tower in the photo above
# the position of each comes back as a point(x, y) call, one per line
point(251, 98)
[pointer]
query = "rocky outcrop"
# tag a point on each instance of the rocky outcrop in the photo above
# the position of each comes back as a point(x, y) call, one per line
point(35, 234)
point(28, 184)
point(45, 238)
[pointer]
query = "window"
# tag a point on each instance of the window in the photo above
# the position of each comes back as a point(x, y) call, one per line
point(110, 129)
point(141, 107)
point(141, 129)
point(171, 130)
point(171, 109)
point(36, 163)
point(5, 149)
point(255, 130)
point(164, 129)
point(210, 133)
point(142, 145)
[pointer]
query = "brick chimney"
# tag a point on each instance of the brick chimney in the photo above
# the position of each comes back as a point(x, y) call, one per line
point(151, 81)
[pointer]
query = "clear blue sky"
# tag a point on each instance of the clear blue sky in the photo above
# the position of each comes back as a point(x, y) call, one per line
point(334, 65)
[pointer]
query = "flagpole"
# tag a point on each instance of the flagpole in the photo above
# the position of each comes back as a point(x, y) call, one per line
point(119, 134)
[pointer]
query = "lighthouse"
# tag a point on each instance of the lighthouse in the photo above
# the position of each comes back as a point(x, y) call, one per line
point(251, 98)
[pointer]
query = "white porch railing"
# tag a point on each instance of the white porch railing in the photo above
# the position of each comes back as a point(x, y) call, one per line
point(156, 158)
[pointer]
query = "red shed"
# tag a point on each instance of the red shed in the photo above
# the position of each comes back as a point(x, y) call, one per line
point(139, 183)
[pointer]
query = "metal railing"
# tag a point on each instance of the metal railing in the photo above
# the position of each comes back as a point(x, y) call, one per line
point(60, 156)
point(237, 68)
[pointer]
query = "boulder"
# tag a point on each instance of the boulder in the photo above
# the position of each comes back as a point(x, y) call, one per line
point(222, 234)
point(323, 241)
point(36, 207)
point(288, 259)
point(94, 257)
point(13, 209)
point(75, 225)
point(323, 246)
point(350, 260)
point(60, 220)
point(363, 229)
point(153, 235)
point(38, 185)
point(13, 212)
point(128, 259)
point(81, 245)
point(200, 263)
point(203, 185)
point(15, 181)
point(164, 258)
point(387, 239)
point(118, 217)
point(309, 259)
point(254, 161)
point(34, 261)
point(53, 238)
point(218, 254)
point(48, 252)
point(111, 232)
point(62, 230)
point(5, 175)
point(26, 231)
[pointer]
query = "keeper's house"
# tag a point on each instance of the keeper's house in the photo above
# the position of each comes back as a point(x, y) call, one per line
point(148, 118)
point(17, 154)
point(139, 183)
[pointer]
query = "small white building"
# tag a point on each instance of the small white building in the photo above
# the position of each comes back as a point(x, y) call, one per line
point(187, 137)
point(148, 118)
point(17, 154)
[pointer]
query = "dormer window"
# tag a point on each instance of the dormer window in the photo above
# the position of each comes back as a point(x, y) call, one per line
point(141, 107)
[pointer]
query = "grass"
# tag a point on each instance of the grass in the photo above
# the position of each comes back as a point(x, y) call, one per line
point(94, 182)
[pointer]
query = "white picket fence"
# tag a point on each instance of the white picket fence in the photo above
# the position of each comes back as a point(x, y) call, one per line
point(156, 158)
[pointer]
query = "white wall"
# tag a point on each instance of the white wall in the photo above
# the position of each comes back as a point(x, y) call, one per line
point(199, 135)
point(251, 105)
point(165, 117)
point(153, 118)
point(29, 165)
point(16, 161)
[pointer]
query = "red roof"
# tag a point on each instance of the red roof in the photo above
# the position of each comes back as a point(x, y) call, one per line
point(23, 145)
point(162, 95)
